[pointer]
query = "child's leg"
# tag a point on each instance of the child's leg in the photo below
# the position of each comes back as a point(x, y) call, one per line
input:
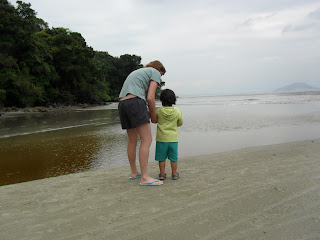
point(162, 166)
point(175, 174)
point(161, 156)
point(174, 167)
point(173, 156)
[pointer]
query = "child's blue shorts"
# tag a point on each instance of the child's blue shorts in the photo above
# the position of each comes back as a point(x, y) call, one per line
point(166, 150)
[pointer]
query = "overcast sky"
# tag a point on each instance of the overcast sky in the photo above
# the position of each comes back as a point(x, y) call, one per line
point(207, 46)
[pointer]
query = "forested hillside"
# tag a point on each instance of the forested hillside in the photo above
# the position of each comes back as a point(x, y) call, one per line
point(40, 66)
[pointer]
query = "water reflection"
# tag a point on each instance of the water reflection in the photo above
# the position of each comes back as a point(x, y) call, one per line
point(49, 145)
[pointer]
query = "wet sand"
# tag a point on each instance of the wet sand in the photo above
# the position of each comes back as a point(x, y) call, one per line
point(265, 192)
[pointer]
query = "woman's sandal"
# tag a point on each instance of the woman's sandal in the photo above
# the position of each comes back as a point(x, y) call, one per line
point(162, 176)
point(175, 176)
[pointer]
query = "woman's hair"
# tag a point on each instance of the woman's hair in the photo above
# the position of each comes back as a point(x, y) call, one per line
point(167, 97)
point(157, 65)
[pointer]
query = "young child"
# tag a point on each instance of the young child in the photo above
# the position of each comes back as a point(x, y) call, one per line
point(169, 119)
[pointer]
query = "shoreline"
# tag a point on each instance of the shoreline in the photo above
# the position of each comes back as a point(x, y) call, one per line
point(15, 112)
point(262, 192)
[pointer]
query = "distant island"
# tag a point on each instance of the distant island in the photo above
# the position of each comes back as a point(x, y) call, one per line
point(297, 87)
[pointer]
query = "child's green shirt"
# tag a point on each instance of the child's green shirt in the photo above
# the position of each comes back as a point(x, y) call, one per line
point(169, 119)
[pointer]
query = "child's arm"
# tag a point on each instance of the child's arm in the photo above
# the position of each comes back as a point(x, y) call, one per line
point(157, 114)
point(180, 119)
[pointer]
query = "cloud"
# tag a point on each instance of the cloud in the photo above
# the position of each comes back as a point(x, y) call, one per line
point(315, 14)
point(297, 28)
point(206, 45)
point(309, 21)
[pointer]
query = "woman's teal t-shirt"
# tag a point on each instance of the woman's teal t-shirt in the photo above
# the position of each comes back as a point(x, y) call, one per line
point(138, 82)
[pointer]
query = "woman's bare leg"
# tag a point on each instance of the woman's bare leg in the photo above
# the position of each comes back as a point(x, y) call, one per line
point(144, 132)
point(132, 150)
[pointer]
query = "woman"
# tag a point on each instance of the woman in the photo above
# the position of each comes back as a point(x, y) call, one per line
point(137, 92)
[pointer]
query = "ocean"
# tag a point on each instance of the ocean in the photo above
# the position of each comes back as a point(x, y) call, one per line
point(40, 145)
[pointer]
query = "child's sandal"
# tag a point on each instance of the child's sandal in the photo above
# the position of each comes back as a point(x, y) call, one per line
point(162, 176)
point(175, 176)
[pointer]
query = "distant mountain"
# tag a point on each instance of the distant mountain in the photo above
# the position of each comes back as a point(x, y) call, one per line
point(297, 87)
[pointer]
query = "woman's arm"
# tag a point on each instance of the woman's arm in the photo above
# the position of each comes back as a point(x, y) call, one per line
point(152, 101)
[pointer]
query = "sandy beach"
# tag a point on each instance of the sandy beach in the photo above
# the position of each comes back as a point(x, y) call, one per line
point(265, 192)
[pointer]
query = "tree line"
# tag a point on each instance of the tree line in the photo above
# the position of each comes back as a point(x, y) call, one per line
point(40, 66)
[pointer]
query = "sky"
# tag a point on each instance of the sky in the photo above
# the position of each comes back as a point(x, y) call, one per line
point(207, 46)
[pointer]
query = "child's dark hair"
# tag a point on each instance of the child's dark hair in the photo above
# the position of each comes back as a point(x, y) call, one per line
point(167, 97)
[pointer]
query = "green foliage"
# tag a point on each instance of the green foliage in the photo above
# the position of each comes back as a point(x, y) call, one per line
point(159, 90)
point(115, 70)
point(2, 97)
point(41, 65)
